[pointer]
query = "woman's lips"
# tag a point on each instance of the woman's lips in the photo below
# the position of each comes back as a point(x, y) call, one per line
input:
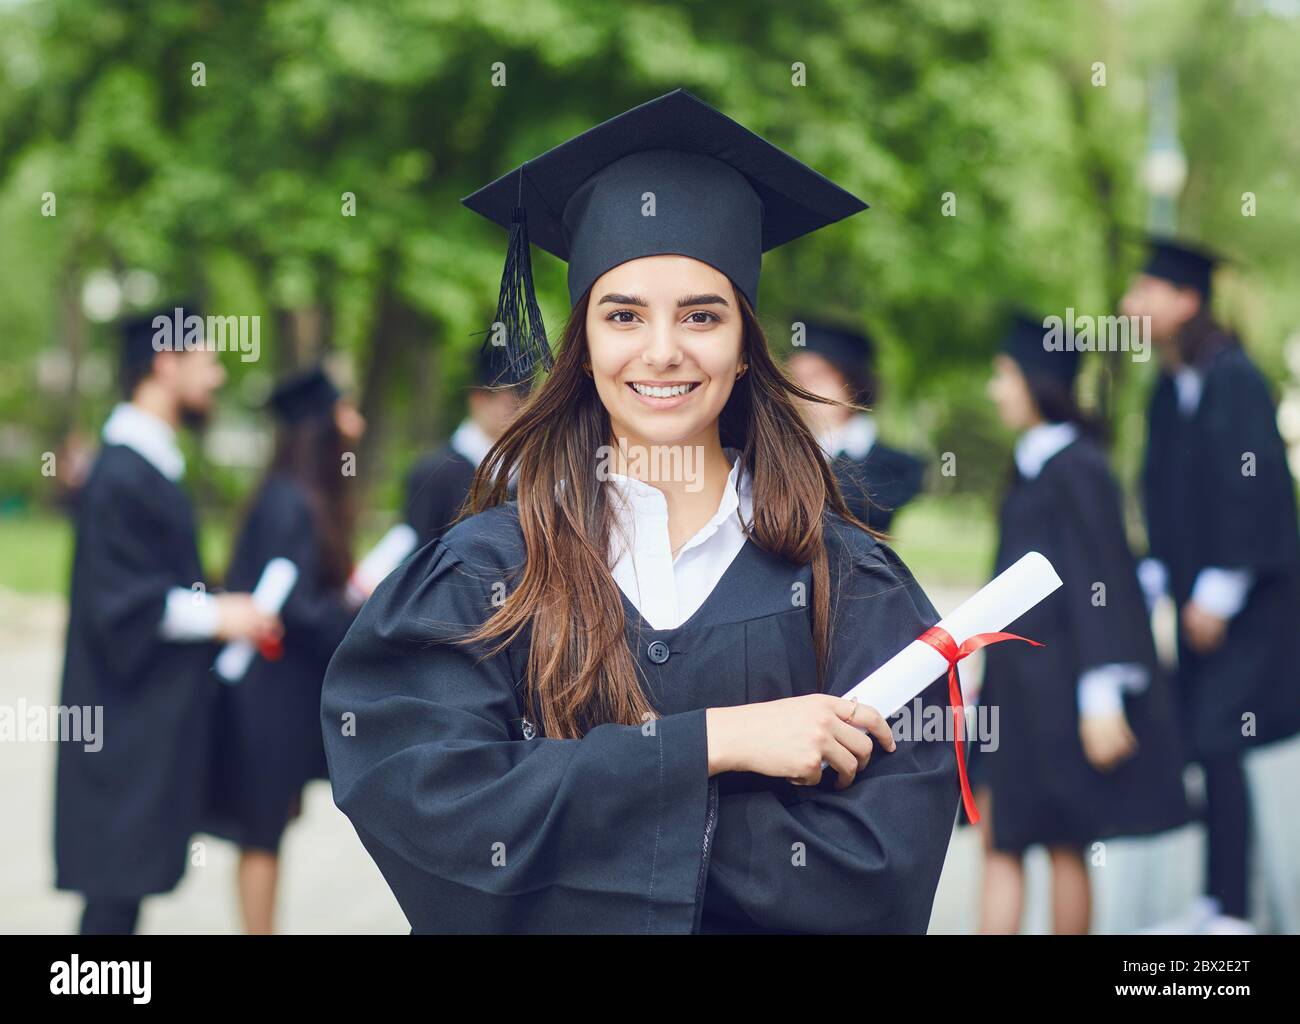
point(662, 401)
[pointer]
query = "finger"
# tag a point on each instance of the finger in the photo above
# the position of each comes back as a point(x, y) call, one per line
point(859, 744)
point(864, 716)
point(877, 726)
point(843, 761)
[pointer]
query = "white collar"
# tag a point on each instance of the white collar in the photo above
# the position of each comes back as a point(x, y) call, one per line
point(1188, 382)
point(470, 441)
point(148, 436)
point(1038, 444)
point(855, 437)
point(665, 590)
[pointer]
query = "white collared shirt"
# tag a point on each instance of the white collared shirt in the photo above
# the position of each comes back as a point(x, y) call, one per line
point(665, 590)
point(1038, 444)
point(1188, 383)
point(855, 437)
point(470, 441)
point(152, 439)
point(188, 614)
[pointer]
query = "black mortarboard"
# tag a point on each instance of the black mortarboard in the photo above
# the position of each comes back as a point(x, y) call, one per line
point(721, 195)
point(302, 395)
point(1027, 342)
point(851, 352)
point(1185, 265)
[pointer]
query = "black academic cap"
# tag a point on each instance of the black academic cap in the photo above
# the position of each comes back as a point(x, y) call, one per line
point(303, 395)
point(1025, 341)
point(721, 195)
point(850, 351)
point(1188, 266)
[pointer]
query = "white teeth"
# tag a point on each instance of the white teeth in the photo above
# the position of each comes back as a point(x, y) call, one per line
point(668, 392)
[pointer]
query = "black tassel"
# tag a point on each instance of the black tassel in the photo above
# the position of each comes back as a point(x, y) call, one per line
point(517, 339)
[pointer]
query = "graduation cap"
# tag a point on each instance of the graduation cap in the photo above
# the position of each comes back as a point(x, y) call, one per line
point(671, 176)
point(1180, 263)
point(303, 395)
point(1025, 342)
point(850, 351)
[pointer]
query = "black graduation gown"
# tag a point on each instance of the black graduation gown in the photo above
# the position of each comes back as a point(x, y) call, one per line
point(436, 488)
point(267, 742)
point(124, 814)
point(1044, 790)
point(877, 486)
point(1203, 511)
point(623, 830)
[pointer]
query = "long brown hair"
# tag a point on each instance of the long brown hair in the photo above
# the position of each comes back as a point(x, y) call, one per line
point(309, 452)
point(580, 672)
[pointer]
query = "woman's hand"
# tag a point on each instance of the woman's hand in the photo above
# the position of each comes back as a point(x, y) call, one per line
point(1107, 740)
point(790, 738)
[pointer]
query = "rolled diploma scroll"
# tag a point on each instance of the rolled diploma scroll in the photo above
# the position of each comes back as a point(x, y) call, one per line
point(1010, 594)
point(383, 558)
point(269, 595)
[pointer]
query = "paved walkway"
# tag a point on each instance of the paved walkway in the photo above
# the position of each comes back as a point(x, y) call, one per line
point(330, 884)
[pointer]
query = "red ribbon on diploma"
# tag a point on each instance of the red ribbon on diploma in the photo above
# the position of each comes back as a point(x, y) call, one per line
point(272, 648)
point(941, 640)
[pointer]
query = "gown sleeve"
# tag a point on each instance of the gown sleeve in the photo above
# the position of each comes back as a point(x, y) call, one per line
point(476, 829)
point(866, 858)
point(128, 578)
point(1253, 517)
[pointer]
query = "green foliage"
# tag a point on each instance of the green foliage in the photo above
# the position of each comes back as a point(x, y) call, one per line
point(234, 189)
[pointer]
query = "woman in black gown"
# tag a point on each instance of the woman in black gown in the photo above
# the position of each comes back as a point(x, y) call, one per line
point(267, 741)
point(604, 706)
point(1087, 738)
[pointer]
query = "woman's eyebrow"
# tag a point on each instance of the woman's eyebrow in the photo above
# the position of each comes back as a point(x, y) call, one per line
point(701, 300)
point(623, 300)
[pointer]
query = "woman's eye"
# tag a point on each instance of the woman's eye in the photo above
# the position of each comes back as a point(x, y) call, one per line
point(702, 316)
point(619, 315)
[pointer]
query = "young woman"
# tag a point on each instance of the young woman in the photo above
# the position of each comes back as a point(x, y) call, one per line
point(604, 707)
point(267, 742)
point(1087, 742)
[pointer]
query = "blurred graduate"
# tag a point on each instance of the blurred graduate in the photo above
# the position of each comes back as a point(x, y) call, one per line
point(604, 706)
point(140, 629)
point(437, 486)
point(840, 363)
point(1087, 744)
point(267, 742)
point(1224, 544)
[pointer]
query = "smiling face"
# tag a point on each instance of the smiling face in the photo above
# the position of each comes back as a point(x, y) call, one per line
point(665, 340)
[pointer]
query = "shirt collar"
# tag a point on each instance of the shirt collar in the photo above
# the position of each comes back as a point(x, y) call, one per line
point(1038, 444)
point(1188, 382)
point(470, 440)
point(151, 438)
point(644, 503)
point(855, 437)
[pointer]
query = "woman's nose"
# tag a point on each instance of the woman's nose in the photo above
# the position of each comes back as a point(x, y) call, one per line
point(662, 348)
